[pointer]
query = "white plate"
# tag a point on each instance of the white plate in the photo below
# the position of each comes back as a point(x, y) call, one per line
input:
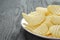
point(23, 21)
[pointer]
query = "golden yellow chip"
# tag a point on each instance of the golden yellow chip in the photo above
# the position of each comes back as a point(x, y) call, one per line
point(41, 9)
point(54, 9)
point(41, 30)
point(48, 21)
point(55, 30)
point(29, 27)
point(55, 19)
point(35, 19)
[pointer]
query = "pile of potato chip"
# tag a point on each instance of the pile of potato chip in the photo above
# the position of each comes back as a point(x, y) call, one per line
point(44, 21)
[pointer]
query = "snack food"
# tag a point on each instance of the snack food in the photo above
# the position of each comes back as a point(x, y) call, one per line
point(54, 9)
point(44, 21)
point(42, 10)
point(34, 19)
point(55, 30)
point(55, 19)
point(48, 21)
point(41, 30)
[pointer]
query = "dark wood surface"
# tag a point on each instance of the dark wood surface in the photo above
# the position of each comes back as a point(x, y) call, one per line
point(10, 17)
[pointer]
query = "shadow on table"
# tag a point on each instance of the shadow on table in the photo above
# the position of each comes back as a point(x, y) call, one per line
point(28, 36)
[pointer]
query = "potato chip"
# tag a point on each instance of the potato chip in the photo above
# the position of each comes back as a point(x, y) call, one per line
point(35, 19)
point(54, 9)
point(29, 27)
point(48, 21)
point(42, 10)
point(55, 30)
point(41, 30)
point(55, 19)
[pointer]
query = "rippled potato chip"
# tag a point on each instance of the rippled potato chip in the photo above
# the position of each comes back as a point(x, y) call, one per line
point(29, 27)
point(54, 9)
point(42, 10)
point(55, 30)
point(48, 21)
point(35, 19)
point(41, 30)
point(55, 19)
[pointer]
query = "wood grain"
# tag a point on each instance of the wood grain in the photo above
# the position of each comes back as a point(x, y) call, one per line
point(10, 16)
